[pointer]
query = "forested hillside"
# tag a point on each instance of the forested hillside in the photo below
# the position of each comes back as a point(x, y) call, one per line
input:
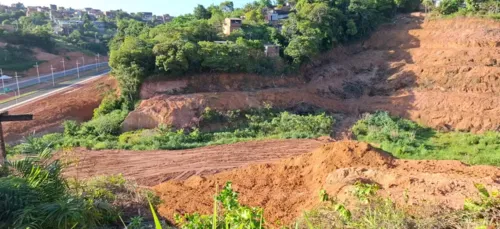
point(187, 44)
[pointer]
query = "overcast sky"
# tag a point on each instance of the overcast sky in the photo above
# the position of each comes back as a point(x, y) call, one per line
point(158, 7)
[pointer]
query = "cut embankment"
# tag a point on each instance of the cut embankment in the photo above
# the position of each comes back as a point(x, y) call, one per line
point(287, 188)
point(50, 112)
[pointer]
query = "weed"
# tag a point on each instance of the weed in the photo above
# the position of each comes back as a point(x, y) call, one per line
point(408, 140)
point(233, 214)
point(102, 132)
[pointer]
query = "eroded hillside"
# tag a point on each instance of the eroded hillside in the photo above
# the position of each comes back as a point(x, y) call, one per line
point(442, 73)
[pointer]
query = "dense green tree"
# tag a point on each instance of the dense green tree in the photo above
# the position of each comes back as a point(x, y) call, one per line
point(473, 5)
point(407, 5)
point(131, 62)
point(449, 6)
point(302, 48)
point(176, 56)
point(75, 36)
point(227, 6)
point(201, 13)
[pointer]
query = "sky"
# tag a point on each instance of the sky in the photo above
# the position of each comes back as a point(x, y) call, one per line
point(158, 7)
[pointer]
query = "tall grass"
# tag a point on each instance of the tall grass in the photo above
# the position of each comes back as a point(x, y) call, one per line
point(406, 139)
point(370, 211)
point(102, 132)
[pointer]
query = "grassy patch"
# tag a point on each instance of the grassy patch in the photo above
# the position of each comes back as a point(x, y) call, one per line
point(406, 139)
point(103, 131)
point(372, 211)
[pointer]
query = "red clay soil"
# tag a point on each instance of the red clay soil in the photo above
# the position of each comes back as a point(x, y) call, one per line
point(288, 188)
point(77, 103)
point(443, 73)
point(153, 167)
point(215, 83)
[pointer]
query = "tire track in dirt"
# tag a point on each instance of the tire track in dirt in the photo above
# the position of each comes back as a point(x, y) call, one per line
point(153, 167)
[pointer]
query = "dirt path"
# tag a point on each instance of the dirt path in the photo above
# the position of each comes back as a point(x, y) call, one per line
point(153, 167)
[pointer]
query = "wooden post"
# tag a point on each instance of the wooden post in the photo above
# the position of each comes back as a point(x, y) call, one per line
point(5, 117)
point(3, 157)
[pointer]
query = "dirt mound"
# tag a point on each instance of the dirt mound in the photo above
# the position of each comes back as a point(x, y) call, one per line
point(153, 167)
point(287, 188)
point(75, 103)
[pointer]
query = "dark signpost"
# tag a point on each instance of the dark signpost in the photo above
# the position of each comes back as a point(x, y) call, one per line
point(5, 117)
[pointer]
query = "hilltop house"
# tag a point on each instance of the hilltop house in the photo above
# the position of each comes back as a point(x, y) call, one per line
point(232, 24)
point(31, 10)
point(275, 15)
point(147, 16)
point(109, 14)
point(167, 18)
point(100, 25)
point(272, 50)
point(53, 7)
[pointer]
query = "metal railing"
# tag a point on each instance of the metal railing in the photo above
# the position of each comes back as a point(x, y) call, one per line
point(12, 85)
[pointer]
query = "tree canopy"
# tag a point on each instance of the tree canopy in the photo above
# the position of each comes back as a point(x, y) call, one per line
point(194, 43)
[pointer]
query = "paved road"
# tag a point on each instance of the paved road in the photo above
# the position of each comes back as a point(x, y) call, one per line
point(12, 85)
point(43, 92)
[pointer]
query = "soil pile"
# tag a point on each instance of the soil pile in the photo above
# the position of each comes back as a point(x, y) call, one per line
point(153, 167)
point(287, 188)
point(77, 103)
point(444, 73)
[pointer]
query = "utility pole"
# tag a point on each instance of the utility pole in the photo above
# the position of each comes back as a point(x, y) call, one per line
point(64, 67)
point(83, 60)
point(5, 117)
point(3, 83)
point(17, 82)
point(96, 66)
point(53, 81)
point(78, 68)
point(37, 72)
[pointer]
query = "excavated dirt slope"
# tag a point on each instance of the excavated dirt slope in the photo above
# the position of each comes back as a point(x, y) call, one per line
point(443, 73)
point(76, 103)
point(287, 188)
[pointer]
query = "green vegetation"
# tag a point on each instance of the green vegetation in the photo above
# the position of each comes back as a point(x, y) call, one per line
point(187, 44)
point(483, 8)
point(232, 215)
point(33, 194)
point(37, 31)
point(103, 131)
point(406, 139)
point(373, 211)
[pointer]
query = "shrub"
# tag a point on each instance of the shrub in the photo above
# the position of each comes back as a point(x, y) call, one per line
point(71, 128)
point(35, 195)
point(407, 139)
point(109, 104)
point(233, 214)
point(102, 131)
point(449, 6)
point(109, 124)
